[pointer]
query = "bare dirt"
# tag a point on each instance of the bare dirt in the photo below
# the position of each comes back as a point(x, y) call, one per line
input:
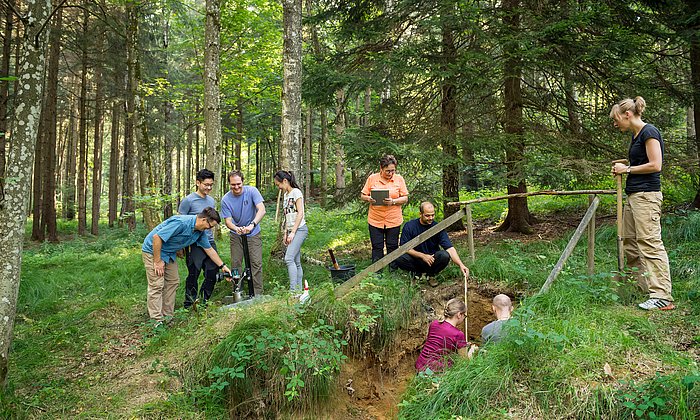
point(372, 387)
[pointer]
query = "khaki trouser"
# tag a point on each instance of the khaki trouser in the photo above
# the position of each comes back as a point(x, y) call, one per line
point(161, 290)
point(255, 250)
point(644, 249)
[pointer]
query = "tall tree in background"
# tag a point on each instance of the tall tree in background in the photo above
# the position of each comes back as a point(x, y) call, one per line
point(113, 193)
point(82, 136)
point(48, 218)
point(129, 172)
point(98, 131)
point(14, 198)
point(290, 142)
point(518, 218)
point(212, 102)
point(5, 85)
point(448, 116)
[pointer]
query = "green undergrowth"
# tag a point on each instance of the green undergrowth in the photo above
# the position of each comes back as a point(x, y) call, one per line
point(553, 364)
point(285, 357)
point(84, 299)
point(582, 350)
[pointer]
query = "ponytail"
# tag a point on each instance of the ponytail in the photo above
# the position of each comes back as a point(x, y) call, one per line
point(282, 175)
point(636, 106)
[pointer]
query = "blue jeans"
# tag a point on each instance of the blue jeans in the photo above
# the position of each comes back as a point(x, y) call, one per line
point(293, 259)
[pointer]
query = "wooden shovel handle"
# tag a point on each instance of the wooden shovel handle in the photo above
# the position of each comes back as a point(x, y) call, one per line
point(333, 260)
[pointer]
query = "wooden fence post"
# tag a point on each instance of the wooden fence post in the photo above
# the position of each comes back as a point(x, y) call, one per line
point(470, 232)
point(570, 246)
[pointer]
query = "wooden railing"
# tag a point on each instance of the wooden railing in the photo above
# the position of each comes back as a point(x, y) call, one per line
point(588, 221)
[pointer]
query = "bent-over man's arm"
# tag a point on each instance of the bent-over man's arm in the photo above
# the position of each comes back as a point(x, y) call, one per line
point(455, 259)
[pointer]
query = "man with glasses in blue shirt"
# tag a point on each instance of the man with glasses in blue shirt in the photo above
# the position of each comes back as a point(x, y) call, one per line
point(159, 251)
point(195, 257)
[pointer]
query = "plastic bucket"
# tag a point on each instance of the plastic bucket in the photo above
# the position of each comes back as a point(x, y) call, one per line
point(342, 274)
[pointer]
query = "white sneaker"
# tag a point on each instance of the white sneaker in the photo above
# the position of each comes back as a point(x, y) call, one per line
point(657, 303)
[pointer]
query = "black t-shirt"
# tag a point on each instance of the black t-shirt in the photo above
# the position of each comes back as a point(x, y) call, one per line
point(638, 156)
point(413, 228)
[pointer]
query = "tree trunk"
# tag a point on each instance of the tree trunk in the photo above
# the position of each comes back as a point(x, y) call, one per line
point(448, 125)
point(695, 77)
point(14, 197)
point(188, 158)
point(168, 162)
point(145, 160)
point(518, 218)
point(178, 177)
point(5, 86)
point(339, 152)
point(308, 153)
point(114, 158)
point(469, 176)
point(82, 140)
point(129, 173)
point(167, 117)
point(212, 106)
point(290, 142)
point(37, 173)
point(48, 218)
point(70, 162)
point(239, 135)
point(323, 154)
point(98, 139)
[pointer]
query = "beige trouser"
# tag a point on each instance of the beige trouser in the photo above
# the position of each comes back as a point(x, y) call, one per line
point(644, 249)
point(255, 251)
point(161, 290)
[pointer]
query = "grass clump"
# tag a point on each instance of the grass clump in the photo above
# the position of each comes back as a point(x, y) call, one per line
point(276, 370)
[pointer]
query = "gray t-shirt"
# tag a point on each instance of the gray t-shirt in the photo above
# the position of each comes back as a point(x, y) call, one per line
point(194, 204)
point(493, 332)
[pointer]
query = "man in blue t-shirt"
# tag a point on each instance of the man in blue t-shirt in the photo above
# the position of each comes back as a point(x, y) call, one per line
point(196, 259)
point(242, 209)
point(427, 258)
point(159, 251)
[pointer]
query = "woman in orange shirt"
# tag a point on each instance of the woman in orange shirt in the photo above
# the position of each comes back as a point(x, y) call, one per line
point(385, 218)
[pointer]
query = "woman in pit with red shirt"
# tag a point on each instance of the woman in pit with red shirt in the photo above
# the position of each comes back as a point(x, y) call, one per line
point(385, 218)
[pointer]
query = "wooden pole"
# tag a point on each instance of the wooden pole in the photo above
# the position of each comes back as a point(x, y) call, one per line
point(620, 253)
point(277, 210)
point(591, 241)
point(466, 314)
point(470, 232)
point(344, 288)
point(570, 246)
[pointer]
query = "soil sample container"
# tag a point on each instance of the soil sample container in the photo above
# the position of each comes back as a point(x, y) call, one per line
point(341, 274)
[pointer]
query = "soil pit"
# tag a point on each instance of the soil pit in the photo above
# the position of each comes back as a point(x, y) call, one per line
point(372, 387)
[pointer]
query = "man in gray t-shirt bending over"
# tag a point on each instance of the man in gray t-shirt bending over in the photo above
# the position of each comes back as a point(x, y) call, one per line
point(503, 308)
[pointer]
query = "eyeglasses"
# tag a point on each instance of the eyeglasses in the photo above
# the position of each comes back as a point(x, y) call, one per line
point(389, 171)
point(208, 185)
point(210, 225)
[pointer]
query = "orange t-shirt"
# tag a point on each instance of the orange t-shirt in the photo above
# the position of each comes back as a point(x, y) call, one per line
point(385, 216)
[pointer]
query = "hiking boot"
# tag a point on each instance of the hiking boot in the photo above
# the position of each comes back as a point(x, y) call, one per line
point(432, 281)
point(657, 303)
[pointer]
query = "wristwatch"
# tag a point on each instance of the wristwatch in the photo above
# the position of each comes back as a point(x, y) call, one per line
point(629, 169)
point(222, 266)
point(254, 224)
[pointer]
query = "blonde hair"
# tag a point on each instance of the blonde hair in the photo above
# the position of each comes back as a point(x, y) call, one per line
point(453, 307)
point(636, 106)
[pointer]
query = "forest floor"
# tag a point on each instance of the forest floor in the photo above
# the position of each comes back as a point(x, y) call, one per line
point(86, 350)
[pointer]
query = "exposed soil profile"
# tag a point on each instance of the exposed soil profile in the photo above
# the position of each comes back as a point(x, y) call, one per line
point(372, 387)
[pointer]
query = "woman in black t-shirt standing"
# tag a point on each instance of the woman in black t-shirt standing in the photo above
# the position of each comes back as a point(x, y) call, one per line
point(641, 219)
